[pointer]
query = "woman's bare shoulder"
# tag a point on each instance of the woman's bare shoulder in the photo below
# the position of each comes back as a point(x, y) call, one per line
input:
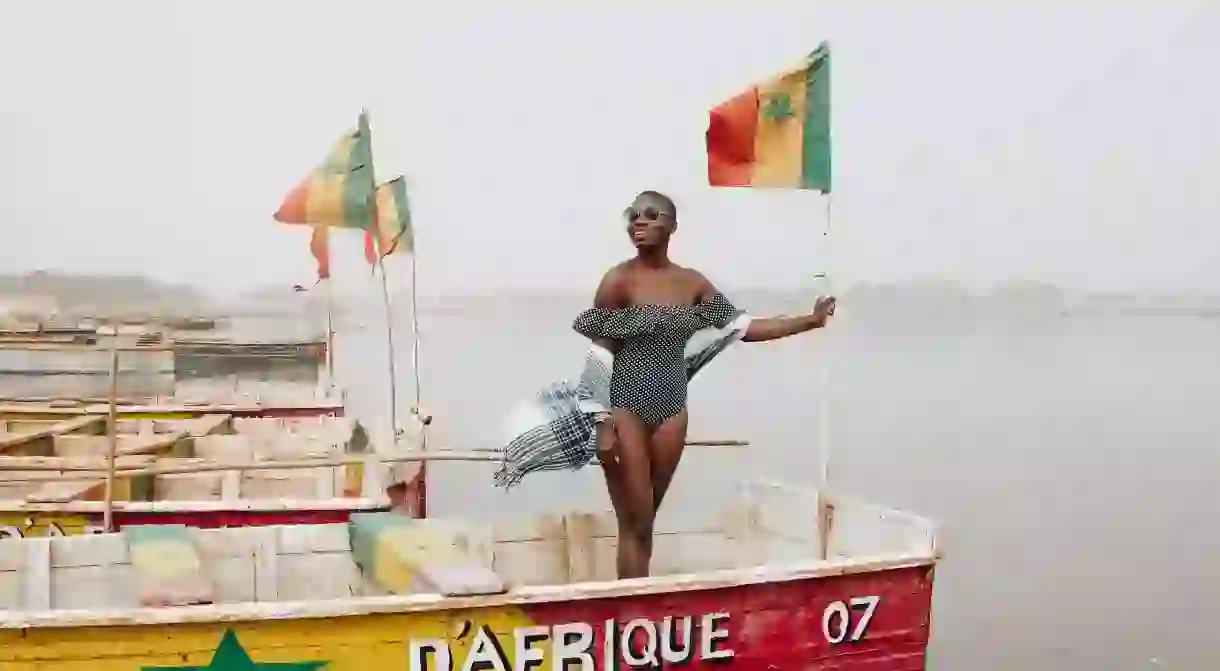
point(696, 280)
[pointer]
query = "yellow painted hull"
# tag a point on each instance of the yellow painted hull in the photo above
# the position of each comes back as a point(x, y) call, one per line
point(359, 643)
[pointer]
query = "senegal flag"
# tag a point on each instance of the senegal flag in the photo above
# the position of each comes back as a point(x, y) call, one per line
point(338, 193)
point(392, 233)
point(775, 134)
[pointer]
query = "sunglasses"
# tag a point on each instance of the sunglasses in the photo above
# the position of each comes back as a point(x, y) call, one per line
point(649, 214)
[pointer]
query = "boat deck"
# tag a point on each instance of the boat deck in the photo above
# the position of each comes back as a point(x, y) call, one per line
point(769, 525)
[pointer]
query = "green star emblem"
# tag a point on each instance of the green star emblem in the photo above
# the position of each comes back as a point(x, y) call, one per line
point(779, 106)
point(230, 656)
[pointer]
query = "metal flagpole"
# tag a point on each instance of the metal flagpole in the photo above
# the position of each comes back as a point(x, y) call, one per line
point(824, 373)
point(389, 335)
point(330, 338)
point(415, 351)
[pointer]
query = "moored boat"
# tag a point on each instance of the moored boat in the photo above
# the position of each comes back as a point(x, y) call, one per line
point(783, 578)
point(172, 469)
point(89, 358)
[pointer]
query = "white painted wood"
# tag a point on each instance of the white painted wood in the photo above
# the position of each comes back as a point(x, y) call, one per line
point(267, 564)
point(309, 568)
point(37, 573)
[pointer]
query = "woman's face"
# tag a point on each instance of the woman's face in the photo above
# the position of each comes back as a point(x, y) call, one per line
point(649, 222)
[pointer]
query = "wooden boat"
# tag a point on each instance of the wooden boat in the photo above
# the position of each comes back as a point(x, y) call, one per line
point(61, 358)
point(783, 578)
point(42, 491)
point(177, 408)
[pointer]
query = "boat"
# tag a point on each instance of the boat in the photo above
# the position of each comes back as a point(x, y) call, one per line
point(213, 358)
point(38, 357)
point(289, 465)
point(784, 577)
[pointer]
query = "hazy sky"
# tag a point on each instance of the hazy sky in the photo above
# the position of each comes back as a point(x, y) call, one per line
point(1078, 145)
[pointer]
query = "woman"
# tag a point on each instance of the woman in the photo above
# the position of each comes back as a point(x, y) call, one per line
point(645, 312)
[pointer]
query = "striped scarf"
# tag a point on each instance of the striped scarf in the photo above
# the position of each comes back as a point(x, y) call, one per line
point(557, 429)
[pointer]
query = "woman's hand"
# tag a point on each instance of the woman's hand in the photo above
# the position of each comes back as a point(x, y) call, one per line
point(823, 311)
point(607, 440)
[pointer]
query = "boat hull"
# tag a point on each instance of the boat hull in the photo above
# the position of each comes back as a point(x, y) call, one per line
point(37, 524)
point(873, 620)
point(167, 412)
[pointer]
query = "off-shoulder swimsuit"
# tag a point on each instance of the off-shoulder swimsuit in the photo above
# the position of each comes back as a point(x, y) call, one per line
point(650, 373)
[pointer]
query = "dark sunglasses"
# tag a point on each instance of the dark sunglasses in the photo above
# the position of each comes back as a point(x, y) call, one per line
point(649, 214)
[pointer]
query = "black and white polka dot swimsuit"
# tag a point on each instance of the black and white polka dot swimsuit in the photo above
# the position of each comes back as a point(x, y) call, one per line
point(650, 372)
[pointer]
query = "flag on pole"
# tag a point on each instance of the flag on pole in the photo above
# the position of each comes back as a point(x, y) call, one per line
point(393, 230)
point(338, 193)
point(394, 233)
point(776, 134)
point(319, 245)
point(370, 249)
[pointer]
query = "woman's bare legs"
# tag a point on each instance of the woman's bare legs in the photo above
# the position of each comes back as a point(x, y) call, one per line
point(628, 469)
point(639, 465)
point(668, 441)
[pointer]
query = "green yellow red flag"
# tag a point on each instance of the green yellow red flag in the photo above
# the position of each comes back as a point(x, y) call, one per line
point(338, 193)
point(776, 134)
point(393, 233)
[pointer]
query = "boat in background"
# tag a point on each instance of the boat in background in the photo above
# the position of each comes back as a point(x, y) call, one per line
point(40, 445)
point(782, 578)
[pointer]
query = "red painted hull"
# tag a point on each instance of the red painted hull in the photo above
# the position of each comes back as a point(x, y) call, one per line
point(779, 626)
point(215, 519)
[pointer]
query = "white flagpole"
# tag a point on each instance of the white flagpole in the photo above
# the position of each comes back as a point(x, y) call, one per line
point(330, 338)
point(824, 373)
point(389, 335)
point(419, 410)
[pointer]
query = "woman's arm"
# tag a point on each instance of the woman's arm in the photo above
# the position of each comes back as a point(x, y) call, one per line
point(774, 328)
point(611, 295)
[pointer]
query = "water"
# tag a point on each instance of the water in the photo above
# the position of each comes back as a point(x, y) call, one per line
point(1072, 461)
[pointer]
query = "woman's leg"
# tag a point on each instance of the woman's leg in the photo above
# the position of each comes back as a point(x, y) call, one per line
point(629, 480)
point(668, 441)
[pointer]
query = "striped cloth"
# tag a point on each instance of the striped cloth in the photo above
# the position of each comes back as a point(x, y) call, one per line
point(557, 429)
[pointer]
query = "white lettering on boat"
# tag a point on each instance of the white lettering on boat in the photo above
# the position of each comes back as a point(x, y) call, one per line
point(837, 621)
point(639, 643)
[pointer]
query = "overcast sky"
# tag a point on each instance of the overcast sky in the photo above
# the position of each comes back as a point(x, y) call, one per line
point(1072, 145)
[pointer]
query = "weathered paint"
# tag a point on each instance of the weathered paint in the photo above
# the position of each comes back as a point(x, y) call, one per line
point(42, 524)
point(320, 409)
point(279, 412)
point(164, 551)
point(780, 625)
point(35, 524)
point(38, 523)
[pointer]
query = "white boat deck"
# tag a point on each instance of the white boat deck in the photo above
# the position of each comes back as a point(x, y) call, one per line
point(182, 444)
point(770, 532)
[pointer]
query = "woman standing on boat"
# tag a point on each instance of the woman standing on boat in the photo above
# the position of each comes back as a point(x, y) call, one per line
point(645, 313)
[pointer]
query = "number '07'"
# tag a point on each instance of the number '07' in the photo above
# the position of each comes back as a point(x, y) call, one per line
point(838, 623)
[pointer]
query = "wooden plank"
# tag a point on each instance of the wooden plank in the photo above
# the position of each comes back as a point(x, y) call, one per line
point(403, 555)
point(167, 444)
point(42, 442)
point(168, 566)
point(37, 574)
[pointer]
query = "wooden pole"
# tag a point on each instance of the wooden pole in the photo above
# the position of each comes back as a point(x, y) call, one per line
point(112, 431)
point(83, 470)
